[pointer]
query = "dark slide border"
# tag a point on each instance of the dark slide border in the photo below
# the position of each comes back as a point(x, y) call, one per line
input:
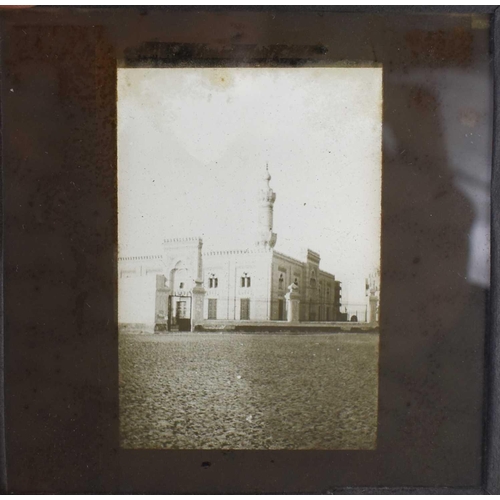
point(59, 254)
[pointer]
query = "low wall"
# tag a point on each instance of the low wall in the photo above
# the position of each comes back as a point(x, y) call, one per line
point(136, 328)
point(262, 326)
point(284, 326)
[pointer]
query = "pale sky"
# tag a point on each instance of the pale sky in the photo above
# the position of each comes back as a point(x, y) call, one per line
point(193, 145)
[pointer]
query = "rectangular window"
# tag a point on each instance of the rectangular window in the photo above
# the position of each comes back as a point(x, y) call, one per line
point(212, 308)
point(248, 281)
point(245, 309)
point(216, 282)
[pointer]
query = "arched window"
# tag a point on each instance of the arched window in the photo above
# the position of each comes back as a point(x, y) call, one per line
point(213, 281)
point(245, 281)
point(280, 282)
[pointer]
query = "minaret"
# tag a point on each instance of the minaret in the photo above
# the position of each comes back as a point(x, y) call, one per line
point(265, 236)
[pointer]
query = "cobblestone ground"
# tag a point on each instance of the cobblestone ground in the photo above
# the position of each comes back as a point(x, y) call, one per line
point(249, 391)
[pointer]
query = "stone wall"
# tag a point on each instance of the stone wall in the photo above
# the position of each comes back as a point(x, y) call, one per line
point(229, 268)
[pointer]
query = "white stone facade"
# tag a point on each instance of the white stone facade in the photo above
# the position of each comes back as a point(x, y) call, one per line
point(237, 285)
point(187, 281)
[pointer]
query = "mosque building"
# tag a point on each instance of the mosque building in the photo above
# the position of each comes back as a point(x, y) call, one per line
point(187, 286)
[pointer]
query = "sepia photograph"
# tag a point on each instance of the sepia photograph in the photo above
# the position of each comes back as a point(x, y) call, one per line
point(249, 222)
point(250, 250)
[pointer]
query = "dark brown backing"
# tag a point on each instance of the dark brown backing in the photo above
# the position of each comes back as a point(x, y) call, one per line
point(59, 175)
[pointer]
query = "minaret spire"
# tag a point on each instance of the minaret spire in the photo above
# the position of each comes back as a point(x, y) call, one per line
point(267, 197)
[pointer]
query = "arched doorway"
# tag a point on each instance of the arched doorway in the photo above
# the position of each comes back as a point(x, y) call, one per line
point(180, 299)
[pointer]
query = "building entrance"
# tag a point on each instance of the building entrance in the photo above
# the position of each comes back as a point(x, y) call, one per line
point(179, 312)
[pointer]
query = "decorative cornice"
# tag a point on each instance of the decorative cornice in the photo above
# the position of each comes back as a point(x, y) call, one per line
point(188, 239)
point(142, 257)
point(312, 255)
point(237, 252)
point(287, 257)
point(324, 273)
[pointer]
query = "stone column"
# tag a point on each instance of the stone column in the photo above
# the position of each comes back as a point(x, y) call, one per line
point(293, 303)
point(197, 306)
point(198, 292)
point(161, 304)
point(373, 309)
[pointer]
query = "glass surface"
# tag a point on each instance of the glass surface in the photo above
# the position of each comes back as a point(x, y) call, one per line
point(59, 143)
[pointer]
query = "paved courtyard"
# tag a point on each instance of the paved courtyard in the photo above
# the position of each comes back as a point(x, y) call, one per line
point(249, 391)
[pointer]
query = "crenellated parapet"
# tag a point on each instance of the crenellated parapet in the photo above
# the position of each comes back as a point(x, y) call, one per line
point(140, 265)
point(140, 257)
point(186, 240)
point(258, 250)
